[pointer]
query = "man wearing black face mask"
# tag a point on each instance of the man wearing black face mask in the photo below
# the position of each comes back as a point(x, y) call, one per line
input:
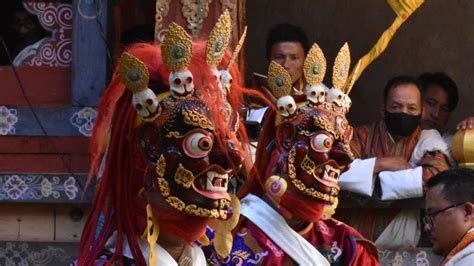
point(402, 157)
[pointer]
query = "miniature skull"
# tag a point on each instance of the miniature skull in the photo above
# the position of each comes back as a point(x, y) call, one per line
point(217, 76)
point(146, 104)
point(346, 104)
point(286, 106)
point(226, 81)
point(316, 94)
point(181, 84)
point(335, 96)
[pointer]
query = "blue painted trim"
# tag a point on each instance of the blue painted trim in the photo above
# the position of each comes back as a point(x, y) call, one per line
point(45, 188)
point(56, 121)
point(89, 52)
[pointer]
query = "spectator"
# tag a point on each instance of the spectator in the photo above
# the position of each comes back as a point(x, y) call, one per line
point(288, 45)
point(449, 217)
point(440, 99)
point(402, 156)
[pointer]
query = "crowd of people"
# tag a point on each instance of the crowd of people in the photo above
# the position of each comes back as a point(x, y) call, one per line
point(169, 139)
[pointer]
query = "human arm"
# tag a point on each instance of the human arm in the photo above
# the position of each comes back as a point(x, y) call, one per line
point(393, 163)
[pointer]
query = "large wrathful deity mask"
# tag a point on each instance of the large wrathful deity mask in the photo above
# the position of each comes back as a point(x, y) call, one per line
point(312, 141)
point(188, 133)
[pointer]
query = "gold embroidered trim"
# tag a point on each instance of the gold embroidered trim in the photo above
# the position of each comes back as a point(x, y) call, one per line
point(197, 119)
point(183, 176)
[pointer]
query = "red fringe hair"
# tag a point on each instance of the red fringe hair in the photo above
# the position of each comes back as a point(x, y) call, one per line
point(117, 206)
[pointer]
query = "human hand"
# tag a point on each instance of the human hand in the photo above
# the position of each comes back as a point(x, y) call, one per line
point(394, 163)
point(467, 123)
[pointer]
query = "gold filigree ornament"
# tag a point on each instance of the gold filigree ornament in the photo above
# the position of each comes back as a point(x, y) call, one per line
point(161, 166)
point(341, 67)
point(184, 177)
point(177, 48)
point(133, 73)
point(315, 66)
point(197, 119)
point(195, 12)
point(162, 7)
point(219, 40)
point(279, 80)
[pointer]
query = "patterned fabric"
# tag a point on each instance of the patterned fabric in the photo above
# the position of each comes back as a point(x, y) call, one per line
point(375, 141)
point(338, 242)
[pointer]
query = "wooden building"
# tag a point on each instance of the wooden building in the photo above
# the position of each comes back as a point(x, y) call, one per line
point(48, 101)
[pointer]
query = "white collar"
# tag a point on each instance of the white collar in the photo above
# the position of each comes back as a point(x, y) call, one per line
point(276, 228)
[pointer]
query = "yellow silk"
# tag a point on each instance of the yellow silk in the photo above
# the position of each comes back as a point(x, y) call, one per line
point(403, 9)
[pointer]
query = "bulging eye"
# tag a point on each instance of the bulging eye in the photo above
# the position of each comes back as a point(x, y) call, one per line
point(197, 145)
point(321, 142)
point(149, 101)
point(189, 79)
point(177, 81)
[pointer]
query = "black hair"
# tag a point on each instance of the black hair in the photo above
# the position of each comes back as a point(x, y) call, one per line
point(445, 82)
point(458, 184)
point(397, 81)
point(286, 32)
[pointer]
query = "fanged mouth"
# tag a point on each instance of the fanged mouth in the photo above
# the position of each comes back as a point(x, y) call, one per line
point(217, 182)
point(328, 175)
point(213, 183)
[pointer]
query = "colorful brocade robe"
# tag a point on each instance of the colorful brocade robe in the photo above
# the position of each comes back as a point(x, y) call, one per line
point(375, 141)
point(339, 243)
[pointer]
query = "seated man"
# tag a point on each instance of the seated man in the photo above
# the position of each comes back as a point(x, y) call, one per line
point(440, 98)
point(301, 153)
point(403, 156)
point(449, 218)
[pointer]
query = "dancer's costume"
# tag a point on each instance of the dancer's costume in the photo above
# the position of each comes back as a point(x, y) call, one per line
point(303, 149)
point(167, 141)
